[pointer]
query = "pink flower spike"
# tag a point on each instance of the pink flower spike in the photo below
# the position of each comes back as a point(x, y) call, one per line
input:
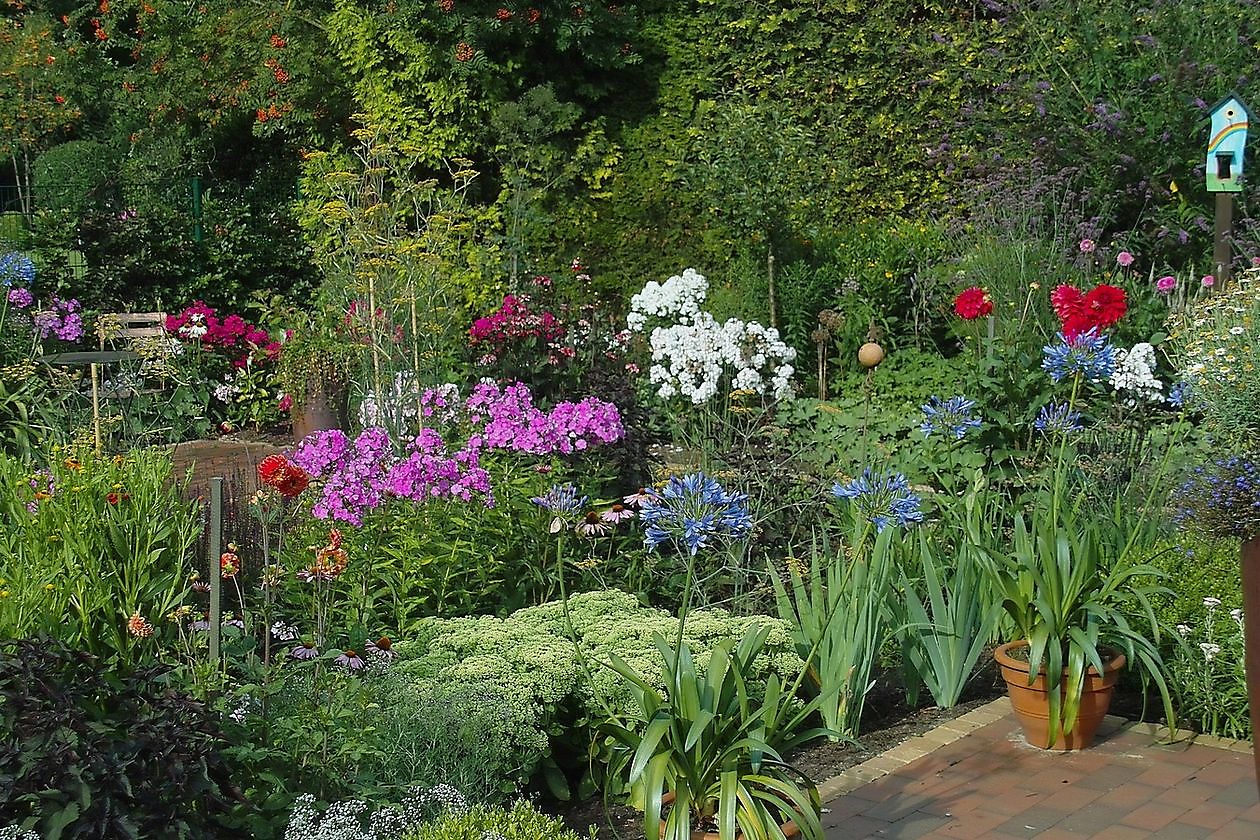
point(1166, 284)
point(1208, 281)
point(1124, 259)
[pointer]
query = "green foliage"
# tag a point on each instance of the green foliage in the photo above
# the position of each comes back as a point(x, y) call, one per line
point(90, 752)
point(1208, 674)
point(838, 612)
point(1069, 583)
point(529, 657)
point(522, 821)
point(1197, 567)
point(714, 748)
point(68, 175)
point(945, 613)
point(475, 738)
point(89, 543)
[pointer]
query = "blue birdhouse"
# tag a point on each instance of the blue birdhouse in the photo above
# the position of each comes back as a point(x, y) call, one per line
point(1224, 165)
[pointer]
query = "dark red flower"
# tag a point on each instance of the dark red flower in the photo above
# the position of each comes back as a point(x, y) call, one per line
point(112, 498)
point(973, 303)
point(293, 481)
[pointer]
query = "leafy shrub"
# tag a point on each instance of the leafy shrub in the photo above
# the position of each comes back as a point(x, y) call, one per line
point(91, 544)
point(1208, 674)
point(87, 752)
point(479, 740)
point(1198, 568)
point(72, 177)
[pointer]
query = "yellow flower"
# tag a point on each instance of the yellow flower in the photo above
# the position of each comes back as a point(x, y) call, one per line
point(72, 463)
point(48, 587)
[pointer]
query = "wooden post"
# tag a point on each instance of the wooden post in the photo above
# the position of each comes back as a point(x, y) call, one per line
point(96, 405)
point(1251, 636)
point(1222, 250)
point(216, 572)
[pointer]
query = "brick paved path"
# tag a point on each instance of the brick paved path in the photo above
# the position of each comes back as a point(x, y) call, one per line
point(990, 784)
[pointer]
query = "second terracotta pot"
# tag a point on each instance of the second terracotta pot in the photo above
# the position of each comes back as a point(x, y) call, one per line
point(1032, 702)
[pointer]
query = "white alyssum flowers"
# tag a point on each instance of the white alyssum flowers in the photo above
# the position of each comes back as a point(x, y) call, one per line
point(1135, 374)
point(694, 356)
point(344, 820)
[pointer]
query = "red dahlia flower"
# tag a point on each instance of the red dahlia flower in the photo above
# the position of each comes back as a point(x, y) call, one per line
point(973, 303)
point(1106, 305)
point(285, 476)
point(1066, 301)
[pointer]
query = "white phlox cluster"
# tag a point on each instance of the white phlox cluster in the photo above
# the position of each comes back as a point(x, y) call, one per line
point(692, 360)
point(678, 299)
point(1135, 374)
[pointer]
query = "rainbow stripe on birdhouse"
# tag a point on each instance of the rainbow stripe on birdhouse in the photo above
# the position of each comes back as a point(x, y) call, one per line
point(1223, 165)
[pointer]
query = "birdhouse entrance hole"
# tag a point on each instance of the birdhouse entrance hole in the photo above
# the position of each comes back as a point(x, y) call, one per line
point(1224, 165)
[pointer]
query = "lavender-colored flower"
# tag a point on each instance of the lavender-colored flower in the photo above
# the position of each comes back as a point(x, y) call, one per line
point(350, 660)
point(1088, 355)
point(62, 319)
point(199, 625)
point(21, 298)
point(617, 514)
point(382, 649)
point(636, 500)
point(593, 525)
point(953, 417)
point(561, 499)
point(306, 650)
point(1057, 418)
point(16, 268)
point(695, 511)
point(883, 499)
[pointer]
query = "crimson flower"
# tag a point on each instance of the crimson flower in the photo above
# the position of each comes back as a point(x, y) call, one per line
point(973, 303)
point(282, 474)
point(1106, 305)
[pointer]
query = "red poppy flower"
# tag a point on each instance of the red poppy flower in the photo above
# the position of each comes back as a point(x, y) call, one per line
point(112, 498)
point(973, 303)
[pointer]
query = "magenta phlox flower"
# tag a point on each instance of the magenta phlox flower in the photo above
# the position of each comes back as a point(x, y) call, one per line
point(430, 472)
point(61, 319)
point(509, 420)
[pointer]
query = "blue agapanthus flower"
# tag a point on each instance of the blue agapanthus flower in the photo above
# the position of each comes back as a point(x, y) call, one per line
point(953, 417)
point(16, 268)
point(1179, 394)
point(694, 511)
point(882, 499)
point(561, 499)
point(1088, 355)
point(1058, 418)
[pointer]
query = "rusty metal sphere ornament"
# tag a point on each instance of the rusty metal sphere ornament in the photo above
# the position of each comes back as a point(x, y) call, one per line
point(870, 354)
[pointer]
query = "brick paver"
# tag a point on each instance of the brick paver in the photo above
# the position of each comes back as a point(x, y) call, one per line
point(990, 784)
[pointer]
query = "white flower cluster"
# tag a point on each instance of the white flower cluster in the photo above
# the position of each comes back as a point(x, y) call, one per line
point(12, 832)
point(692, 360)
point(1135, 373)
point(679, 299)
point(344, 820)
point(397, 407)
point(225, 391)
point(693, 355)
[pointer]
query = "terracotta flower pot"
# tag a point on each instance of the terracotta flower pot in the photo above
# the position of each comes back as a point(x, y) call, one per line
point(323, 408)
point(1251, 636)
point(789, 828)
point(1032, 702)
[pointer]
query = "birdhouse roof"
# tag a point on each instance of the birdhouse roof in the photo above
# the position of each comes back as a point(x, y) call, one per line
point(1220, 103)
